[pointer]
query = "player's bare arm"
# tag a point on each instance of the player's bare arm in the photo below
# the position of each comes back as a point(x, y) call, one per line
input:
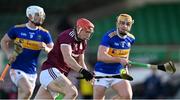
point(5, 41)
point(67, 55)
point(105, 57)
point(67, 52)
point(46, 47)
point(49, 47)
point(82, 62)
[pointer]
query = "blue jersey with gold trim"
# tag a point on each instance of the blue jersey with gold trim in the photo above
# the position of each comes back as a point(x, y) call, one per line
point(30, 39)
point(118, 47)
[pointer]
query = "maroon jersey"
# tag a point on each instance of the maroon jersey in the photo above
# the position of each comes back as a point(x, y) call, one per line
point(55, 57)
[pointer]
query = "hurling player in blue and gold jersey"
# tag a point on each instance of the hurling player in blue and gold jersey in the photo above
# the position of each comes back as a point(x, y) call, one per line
point(113, 54)
point(33, 39)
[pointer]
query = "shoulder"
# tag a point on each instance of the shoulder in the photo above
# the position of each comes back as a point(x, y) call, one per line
point(20, 26)
point(130, 35)
point(111, 33)
point(16, 28)
point(43, 29)
point(67, 35)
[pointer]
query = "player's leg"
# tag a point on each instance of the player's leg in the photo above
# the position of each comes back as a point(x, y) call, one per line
point(24, 89)
point(55, 82)
point(123, 89)
point(100, 86)
point(63, 85)
point(24, 82)
point(99, 92)
point(43, 94)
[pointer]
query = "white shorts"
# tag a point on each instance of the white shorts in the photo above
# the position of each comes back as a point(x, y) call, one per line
point(16, 75)
point(106, 82)
point(47, 76)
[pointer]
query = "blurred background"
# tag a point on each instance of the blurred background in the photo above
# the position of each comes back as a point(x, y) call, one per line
point(156, 28)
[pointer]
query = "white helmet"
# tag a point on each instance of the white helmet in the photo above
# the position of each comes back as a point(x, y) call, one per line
point(32, 10)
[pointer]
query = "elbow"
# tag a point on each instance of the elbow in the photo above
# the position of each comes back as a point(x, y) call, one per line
point(2, 42)
point(100, 59)
point(68, 61)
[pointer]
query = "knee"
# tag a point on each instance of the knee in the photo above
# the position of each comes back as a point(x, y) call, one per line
point(75, 93)
point(27, 93)
point(127, 95)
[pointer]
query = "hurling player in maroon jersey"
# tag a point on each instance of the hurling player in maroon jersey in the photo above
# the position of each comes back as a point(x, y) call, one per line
point(67, 54)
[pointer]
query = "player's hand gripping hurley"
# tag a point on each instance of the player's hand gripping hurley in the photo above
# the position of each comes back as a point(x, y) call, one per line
point(17, 50)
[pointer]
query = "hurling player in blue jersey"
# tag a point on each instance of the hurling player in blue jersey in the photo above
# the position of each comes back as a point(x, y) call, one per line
point(33, 38)
point(113, 54)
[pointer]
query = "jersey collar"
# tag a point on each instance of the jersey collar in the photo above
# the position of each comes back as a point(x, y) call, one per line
point(123, 37)
point(30, 27)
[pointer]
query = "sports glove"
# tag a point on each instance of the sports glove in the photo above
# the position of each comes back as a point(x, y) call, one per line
point(86, 74)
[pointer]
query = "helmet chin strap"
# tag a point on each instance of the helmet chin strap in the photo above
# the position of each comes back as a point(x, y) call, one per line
point(36, 24)
point(121, 34)
point(76, 36)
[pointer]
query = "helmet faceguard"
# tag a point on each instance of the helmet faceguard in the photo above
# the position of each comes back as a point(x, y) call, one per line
point(33, 11)
point(124, 19)
point(83, 24)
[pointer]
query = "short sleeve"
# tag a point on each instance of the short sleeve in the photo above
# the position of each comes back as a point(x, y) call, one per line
point(65, 38)
point(132, 42)
point(105, 40)
point(12, 33)
point(132, 38)
point(48, 38)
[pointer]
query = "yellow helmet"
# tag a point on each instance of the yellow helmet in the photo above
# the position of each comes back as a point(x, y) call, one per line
point(125, 18)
